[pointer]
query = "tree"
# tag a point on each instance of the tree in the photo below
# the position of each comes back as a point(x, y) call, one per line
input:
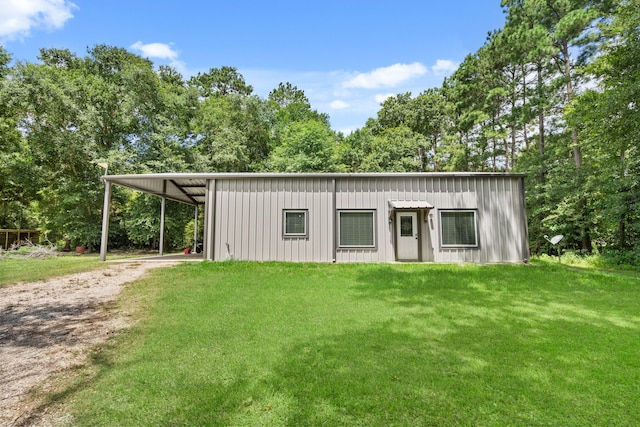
point(290, 104)
point(75, 112)
point(424, 115)
point(566, 30)
point(18, 185)
point(609, 119)
point(232, 134)
point(569, 26)
point(395, 111)
point(430, 117)
point(465, 148)
point(142, 222)
point(354, 148)
point(306, 146)
point(396, 149)
point(221, 82)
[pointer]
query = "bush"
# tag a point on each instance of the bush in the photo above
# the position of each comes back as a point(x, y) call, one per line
point(621, 259)
point(612, 259)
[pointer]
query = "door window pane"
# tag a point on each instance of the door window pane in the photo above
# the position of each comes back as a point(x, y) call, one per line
point(406, 226)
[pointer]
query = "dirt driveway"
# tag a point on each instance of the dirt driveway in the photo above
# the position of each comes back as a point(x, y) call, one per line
point(47, 327)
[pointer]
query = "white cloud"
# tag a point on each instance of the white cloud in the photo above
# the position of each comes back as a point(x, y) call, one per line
point(325, 89)
point(156, 50)
point(19, 17)
point(387, 76)
point(444, 67)
point(163, 51)
point(380, 98)
point(339, 105)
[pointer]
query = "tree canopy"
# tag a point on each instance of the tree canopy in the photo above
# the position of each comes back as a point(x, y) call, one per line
point(553, 94)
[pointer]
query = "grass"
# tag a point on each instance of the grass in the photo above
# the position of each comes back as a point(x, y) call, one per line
point(13, 270)
point(18, 268)
point(376, 345)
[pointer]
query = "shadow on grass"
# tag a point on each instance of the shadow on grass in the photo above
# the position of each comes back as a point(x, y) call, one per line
point(47, 324)
point(526, 294)
point(79, 378)
point(381, 376)
point(373, 377)
point(410, 345)
point(478, 345)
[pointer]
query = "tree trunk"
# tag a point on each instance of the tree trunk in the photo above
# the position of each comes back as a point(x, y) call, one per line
point(506, 155)
point(435, 154)
point(577, 156)
point(493, 155)
point(577, 152)
point(513, 145)
point(524, 102)
point(541, 123)
point(622, 228)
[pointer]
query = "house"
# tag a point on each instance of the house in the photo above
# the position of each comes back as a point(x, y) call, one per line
point(348, 217)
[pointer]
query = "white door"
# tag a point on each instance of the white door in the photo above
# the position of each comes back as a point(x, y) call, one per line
point(407, 235)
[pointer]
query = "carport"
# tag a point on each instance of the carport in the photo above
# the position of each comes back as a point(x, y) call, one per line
point(190, 189)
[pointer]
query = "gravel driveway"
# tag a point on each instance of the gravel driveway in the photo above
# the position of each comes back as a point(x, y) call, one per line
point(46, 329)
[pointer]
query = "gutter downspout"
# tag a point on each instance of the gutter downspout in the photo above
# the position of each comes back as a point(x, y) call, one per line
point(523, 204)
point(334, 214)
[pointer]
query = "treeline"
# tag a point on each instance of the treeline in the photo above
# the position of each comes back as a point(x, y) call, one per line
point(552, 94)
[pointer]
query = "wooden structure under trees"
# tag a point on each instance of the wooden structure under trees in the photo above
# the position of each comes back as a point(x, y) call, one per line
point(8, 236)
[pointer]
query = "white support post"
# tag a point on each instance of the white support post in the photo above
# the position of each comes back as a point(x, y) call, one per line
point(195, 231)
point(162, 212)
point(209, 221)
point(104, 238)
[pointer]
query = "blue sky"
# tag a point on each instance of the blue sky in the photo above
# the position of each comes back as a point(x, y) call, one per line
point(346, 55)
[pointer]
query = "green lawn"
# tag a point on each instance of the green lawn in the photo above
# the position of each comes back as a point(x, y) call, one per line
point(29, 270)
point(375, 345)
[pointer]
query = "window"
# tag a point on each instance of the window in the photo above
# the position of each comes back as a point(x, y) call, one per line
point(406, 226)
point(458, 228)
point(356, 229)
point(295, 223)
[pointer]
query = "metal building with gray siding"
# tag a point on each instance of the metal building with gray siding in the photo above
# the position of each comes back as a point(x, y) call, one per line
point(362, 217)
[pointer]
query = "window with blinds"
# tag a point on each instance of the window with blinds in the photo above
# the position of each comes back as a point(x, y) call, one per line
point(458, 228)
point(295, 223)
point(357, 229)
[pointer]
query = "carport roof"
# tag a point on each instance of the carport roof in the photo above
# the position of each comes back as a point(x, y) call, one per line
point(185, 188)
point(190, 188)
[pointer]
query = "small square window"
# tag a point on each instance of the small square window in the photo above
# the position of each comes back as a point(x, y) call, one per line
point(295, 223)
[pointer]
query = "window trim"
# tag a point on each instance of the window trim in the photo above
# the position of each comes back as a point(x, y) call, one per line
point(287, 235)
point(373, 213)
point(475, 228)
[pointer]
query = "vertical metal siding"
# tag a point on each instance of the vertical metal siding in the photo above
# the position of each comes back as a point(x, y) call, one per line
point(495, 199)
point(364, 193)
point(259, 248)
point(248, 216)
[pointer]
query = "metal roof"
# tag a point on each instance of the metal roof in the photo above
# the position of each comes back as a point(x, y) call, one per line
point(190, 188)
point(183, 188)
point(409, 204)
